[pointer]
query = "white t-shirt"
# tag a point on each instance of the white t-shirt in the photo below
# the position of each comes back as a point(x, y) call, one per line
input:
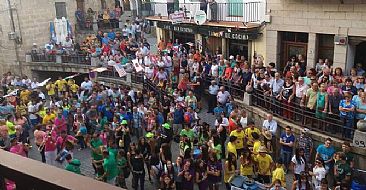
point(243, 121)
point(222, 97)
point(225, 122)
point(87, 85)
point(215, 70)
point(319, 175)
point(298, 167)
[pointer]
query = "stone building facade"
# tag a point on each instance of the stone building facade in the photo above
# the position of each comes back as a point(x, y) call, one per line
point(32, 18)
point(330, 29)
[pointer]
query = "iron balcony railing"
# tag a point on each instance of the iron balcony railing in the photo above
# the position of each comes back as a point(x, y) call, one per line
point(82, 59)
point(229, 12)
point(329, 124)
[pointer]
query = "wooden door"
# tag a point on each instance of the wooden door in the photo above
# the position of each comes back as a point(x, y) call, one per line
point(292, 49)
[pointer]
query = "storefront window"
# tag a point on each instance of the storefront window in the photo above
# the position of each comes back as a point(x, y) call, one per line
point(238, 47)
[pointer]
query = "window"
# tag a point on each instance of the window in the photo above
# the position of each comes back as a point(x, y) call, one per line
point(295, 37)
point(60, 10)
point(325, 46)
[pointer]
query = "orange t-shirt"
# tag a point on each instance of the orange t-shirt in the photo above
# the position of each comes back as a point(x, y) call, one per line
point(228, 71)
point(197, 57)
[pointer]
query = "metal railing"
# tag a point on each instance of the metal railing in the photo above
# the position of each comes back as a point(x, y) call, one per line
point(329, 124)
point(230, 12)
point(82, 59)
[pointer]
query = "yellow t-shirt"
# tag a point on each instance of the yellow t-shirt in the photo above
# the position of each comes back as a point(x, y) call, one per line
point(231, 148)
point(51, 89)
point(70, 82)
point(240, 138)
point(74, 88)
point(24, 95)
point(47, 118)
point(61, 84)
point(264, 164)
point(248, 134)
point(227, 173)
point(279, 174)
point(246, 170)
point(256, 146)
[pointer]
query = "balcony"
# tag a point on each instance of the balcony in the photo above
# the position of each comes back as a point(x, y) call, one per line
point(31, 174)
point(245, 12)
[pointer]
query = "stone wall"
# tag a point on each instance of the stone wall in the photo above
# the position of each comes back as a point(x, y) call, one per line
point(315, 17)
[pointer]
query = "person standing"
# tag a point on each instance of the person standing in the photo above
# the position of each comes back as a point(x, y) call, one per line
point(287, 141)
point(138, 170)
point(306, 143)
point(213, 89)
point(137, 122)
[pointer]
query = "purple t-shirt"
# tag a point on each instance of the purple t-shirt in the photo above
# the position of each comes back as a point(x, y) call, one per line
point(189, 184)
point(214, 166)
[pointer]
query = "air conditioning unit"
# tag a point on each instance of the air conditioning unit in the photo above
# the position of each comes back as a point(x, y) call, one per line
point(340, 40)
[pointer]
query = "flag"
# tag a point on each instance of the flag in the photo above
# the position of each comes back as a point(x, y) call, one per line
point(99, 70)
point(72, 76)
point(120, 70)
point(44, 82)
point(52, 32)
point(12, 93)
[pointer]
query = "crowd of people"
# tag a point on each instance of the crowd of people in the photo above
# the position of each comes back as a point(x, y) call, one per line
point(132, 133)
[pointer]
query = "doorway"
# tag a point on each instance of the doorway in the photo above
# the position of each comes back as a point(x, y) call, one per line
point(360, 56)
point(293, 44)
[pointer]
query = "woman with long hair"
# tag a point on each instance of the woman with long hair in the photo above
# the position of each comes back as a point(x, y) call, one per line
point(145, 149)
point(230, 169)
point(214, 169)
point(302, 183)
point(201, 175)
point(247, 164)
point(298, 163)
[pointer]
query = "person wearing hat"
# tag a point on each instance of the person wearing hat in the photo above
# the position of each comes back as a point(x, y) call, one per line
point(306, 143)
point(166, 133)
point(268, 141)
point(213, 89)
point(265, 165)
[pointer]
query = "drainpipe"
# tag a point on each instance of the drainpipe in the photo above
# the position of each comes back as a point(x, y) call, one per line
point(16, 38)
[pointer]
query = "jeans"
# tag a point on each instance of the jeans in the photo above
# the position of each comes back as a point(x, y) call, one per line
point(51, 157)
point(286, 158)
point(138, 177)
point(347, 127)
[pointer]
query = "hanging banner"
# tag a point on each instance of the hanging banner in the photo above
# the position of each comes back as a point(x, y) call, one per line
point(120, 70)
point(137, 66)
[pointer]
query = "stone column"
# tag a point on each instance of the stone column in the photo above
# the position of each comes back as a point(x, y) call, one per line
point(272, 45)
point(224, 48)
point(312, 51)
point(340, 57)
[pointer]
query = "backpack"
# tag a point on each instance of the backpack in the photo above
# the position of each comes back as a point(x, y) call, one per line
point(187, 117)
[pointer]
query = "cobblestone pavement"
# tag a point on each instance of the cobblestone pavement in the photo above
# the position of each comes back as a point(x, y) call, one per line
point(85, 157)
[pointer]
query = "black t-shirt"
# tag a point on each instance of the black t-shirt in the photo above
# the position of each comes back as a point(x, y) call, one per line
point(137, 164)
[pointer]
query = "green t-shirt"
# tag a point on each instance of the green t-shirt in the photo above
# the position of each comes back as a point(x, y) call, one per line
point(218, 150)
point(96, 144)
point(74, 166)
point(349, 157)
point(112, 152)
point(11, 127)
point(189, 133)
point(121, 163)
point(110, 166)
point(103, 122)
point(343, 170)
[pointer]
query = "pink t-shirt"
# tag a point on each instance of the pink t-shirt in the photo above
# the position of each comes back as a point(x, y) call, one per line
point(60, 140)
point(60, 124)
point(18, 149)
point(50, 144)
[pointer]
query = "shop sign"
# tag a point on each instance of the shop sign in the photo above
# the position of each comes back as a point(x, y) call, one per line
point(176, 28)
point(177, 17)
point(232, 35)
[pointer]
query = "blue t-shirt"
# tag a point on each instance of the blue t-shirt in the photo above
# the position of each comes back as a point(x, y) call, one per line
point(350, 114)
point(105, 40)
point(287, 139)
point(326, 154)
